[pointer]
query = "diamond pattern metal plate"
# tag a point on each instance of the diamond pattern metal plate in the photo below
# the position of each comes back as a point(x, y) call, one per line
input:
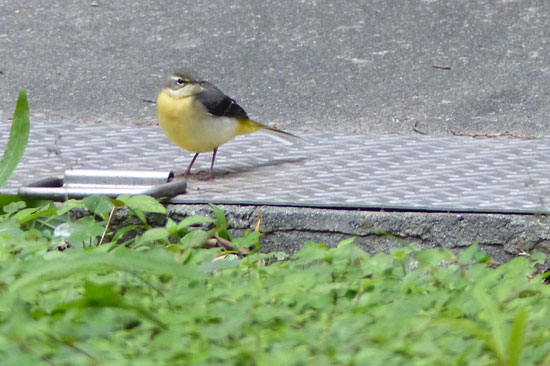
point(329, 170)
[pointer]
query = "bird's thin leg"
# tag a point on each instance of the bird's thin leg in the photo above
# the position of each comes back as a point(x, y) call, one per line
point(188, 170)
point(212, 165)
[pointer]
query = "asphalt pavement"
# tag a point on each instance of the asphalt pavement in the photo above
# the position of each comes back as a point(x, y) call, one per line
point(420, 66)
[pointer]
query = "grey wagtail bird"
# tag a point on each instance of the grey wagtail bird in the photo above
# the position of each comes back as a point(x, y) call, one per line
point(197, 116)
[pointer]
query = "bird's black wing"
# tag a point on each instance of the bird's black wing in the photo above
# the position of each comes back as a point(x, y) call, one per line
point(219, 104)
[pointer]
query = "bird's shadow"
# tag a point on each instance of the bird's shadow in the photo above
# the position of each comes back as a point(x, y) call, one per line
point(235, 171)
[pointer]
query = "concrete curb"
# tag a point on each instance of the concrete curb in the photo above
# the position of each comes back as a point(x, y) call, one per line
point(502, 236)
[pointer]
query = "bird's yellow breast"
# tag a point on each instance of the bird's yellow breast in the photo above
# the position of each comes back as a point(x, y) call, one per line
point(187, 123)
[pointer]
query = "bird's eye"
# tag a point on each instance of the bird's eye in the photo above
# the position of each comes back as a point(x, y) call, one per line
point(180, 82)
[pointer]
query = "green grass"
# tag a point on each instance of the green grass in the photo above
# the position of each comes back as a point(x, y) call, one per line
point(19, 134)
point(159, 297)
point(78, 290)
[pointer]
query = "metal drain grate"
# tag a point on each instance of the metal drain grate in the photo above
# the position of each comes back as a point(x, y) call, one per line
point(331, 170)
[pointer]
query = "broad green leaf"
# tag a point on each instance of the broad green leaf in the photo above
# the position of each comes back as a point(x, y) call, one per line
point(69, 205)
point(153, 235)
point(346, 242)
point(221, 223)
point(17, 142)
point(251, 239)
point(194, 220)
point(434, 257)
point(122, 259)
point(24, 218)
point(140, 215)
point(517, 338)
point(171, 225)
point(122, 231)
point(14, 207)
point(99, 205)
point(99, 295)
point(311, 252)
point(143, 203)
point(348, 251)
point(401, 254)
point(10, 231)
point(7, 199)
point(24, 213)
point(538, 257)
point(494, 316)
point(195, 238)
point(85, 231)
point(225, 263)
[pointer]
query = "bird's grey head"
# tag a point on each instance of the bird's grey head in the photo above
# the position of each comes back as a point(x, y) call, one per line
point(183, 83)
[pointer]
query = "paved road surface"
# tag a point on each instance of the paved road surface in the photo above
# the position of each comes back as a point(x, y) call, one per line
point(375, 66)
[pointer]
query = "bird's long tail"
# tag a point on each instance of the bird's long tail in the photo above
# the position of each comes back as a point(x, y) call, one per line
point(248, 126)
